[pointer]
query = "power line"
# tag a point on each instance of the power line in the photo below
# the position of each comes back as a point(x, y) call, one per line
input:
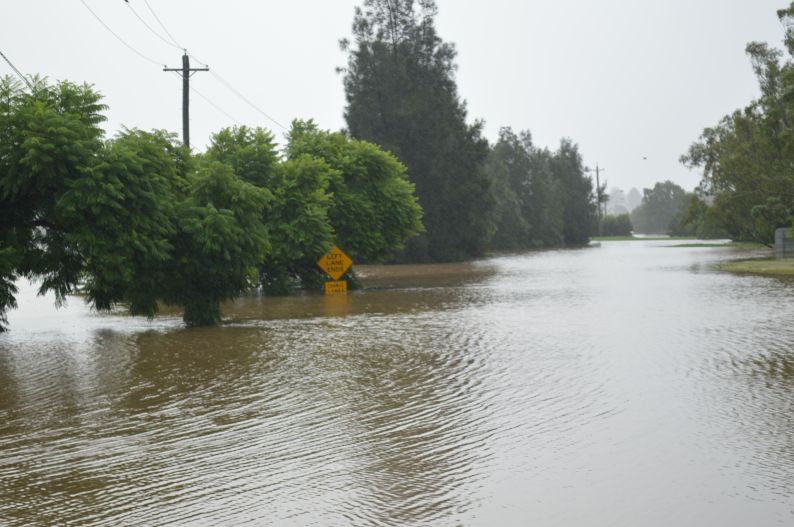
point(244, 98)
point(209, 101)
point(118, 37)
point(162, 25)
point(155, 33)
point(25, 79)
point(240, 95)
point(194, 90)
point(176, 44)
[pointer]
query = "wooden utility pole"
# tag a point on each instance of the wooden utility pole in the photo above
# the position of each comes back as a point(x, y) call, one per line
point(598, 189)
point(186, 72)
point(598, 171)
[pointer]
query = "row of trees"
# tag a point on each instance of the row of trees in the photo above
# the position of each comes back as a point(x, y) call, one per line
point(401, 94)
point(541, 198)
point(747, 188)
point(140, 220)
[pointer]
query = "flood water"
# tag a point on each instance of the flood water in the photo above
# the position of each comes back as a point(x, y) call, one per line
point(630, 384)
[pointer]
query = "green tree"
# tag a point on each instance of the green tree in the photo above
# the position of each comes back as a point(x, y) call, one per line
point(401, 94)
point(299, 226)
point(131, 220)
point(510, 168)
point(699, 220)
point(374, 210)
point(542, 198)
point(329, 189)
point(660, 207)
point(616, 225)
point(49, 139)
point(576, 194)
point(747, 173)
point(220, 242)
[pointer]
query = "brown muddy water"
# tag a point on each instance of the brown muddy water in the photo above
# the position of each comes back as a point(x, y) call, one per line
point(630, 384)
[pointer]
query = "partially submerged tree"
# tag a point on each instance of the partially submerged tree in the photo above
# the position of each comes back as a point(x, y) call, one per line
point(373, 210)
point(131, 220)
point(329, 189)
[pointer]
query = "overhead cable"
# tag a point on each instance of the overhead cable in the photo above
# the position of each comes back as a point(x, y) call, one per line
point(180, 46)
point(240, 95)
point(209, 101)
point(118, 37)
point(155, 33)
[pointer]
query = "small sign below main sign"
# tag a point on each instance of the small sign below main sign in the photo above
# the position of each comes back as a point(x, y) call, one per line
point(336, 287)
point(335, 263)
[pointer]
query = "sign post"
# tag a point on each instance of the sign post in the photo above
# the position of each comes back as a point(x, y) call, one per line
point(335, 264)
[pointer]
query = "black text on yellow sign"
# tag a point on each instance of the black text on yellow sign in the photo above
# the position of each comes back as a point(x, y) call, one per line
point(336, 287)
point(335, 263)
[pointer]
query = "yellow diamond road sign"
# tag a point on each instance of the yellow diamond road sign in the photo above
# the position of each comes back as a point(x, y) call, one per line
point(335, 263)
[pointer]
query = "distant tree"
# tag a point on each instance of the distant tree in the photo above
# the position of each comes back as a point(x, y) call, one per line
point(510, 169)
point(542, 198)
point(401, 94)
point(660, 207)
point(543, 204)
point(697, 219)
point(576, 192)
point(616, 225)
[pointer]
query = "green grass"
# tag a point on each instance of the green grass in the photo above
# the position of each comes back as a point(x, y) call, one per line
point(699, 245)
point(638, 239)
point(768, 267)
point(744, 246)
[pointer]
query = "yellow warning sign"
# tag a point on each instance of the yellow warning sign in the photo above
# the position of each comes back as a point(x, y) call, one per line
point(336, 288)
point(335, 263)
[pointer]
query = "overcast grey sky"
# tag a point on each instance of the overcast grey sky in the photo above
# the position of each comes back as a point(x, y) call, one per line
point(625, 79)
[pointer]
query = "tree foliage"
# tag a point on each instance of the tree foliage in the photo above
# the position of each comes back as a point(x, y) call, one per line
point(139, 220)
point(374, 210)
point(401, 94)
point(541, 198)
point(131, 220)
point(659, 209)
point(748, 176)
point(616, 225)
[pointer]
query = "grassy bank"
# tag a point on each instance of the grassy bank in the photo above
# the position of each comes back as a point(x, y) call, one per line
point(744, 246)
point(767, 266)
point(638, 238)
point(634, 238)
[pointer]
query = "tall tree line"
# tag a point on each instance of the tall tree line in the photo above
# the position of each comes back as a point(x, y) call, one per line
point(401, 94)
point(542, 198)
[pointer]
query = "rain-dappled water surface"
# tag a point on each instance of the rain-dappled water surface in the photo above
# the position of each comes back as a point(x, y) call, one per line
point(629, 384)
